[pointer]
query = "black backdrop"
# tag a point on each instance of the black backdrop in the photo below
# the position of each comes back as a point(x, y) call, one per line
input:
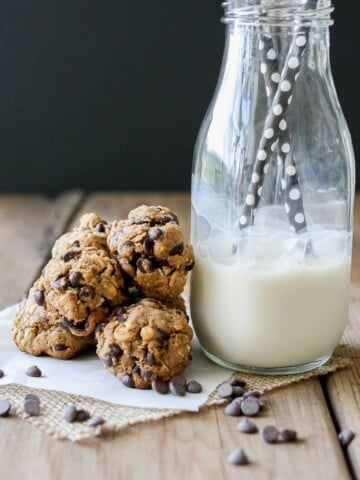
point(110, 94)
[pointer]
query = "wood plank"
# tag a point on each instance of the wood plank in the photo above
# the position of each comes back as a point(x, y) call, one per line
point(343, 387)
point(29, 225)
point(188, 446)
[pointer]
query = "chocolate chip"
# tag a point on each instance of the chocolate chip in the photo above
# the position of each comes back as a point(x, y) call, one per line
point(247, 426)
point(238, 457)
point(76, 244)
point(60, 283)
point(148, 246)
point(346, 436)
point(236, 382)
point(160, 387)
point(233, 409)
point(31, 407)
point(5, 408)
point(179, 380)
point(177, 389)
point(159, 262)
point(135, 295)
point(287, 435)
point(250, 406)
point(136, 370)
point(108, 361)
point(60, 347)
point(193, 387)
point(170, 217)
point(100, 227)
point(95, 421)
point(144, 265)
point(69, 255)
point(177, 250)
point(70, 413)
point(128, 381)
point(75, 278)
point(120, 314)
point(270, 434)
point(1, 373)
point(161, 336)
point(155, 233)
point(87, 293)
point(68, 325)
point(32, 397)
point(237, 391)
point(33, 371)
point(189, 267)
point(150, 358)
point(39, 297)
point(82, 415)
point(146, 375)
point(225, 390)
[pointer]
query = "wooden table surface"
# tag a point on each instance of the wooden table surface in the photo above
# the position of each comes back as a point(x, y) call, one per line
point(189, 446)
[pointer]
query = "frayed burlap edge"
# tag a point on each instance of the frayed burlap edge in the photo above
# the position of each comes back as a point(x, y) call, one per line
point(119, 417)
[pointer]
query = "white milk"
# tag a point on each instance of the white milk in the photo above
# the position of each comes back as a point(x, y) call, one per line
point(270, 317)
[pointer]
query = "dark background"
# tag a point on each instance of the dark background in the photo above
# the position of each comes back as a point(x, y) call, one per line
point(110, 94)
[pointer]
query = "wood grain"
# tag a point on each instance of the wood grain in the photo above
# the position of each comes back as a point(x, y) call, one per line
point(343, 387)
point(190, 446)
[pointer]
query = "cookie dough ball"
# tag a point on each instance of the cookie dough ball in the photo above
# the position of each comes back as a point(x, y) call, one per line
point(37, 331)
point(82, 285)
point(151, 249)
point(145, 341)
point(92, 232)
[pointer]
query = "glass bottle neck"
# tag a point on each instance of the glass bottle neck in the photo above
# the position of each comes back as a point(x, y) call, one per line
point(286, 13)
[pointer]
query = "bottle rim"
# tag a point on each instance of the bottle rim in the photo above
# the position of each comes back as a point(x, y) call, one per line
point(278, 12)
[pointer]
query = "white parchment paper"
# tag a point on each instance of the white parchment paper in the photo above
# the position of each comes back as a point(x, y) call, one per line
point(85, 375)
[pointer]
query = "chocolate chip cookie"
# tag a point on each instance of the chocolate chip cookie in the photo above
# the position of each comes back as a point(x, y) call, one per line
point(36, 330)
point(144, 342)
point(151, 249)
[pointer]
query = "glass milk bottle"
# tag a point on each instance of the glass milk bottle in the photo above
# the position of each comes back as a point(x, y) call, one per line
point(272, 195)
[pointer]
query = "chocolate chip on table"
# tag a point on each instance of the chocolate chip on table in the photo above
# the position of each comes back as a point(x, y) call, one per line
point(32, 397)
point(100, 227)
point(346, 436)
point(69, 255)
point(233, 409)
point(60, 283)
point(1, 373)
point(82, 415)
point(75, 278)
point(238, 457)
point(87, 293)
point(95, 421)
point(33, 371)
point(177, 385)
point(70, 413)
point(247, 426)
point(128, 381)
point(237, 391)
point(5, 408)
point(193, 387)
point(160, 387)
point(287, 435)
point(225, 390)
point(31, 407)
point(270, 434)
point(39, 298)
point(250, 406)
point(236, 382)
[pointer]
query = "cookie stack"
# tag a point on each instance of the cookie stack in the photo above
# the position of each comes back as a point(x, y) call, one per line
point(121, 284)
